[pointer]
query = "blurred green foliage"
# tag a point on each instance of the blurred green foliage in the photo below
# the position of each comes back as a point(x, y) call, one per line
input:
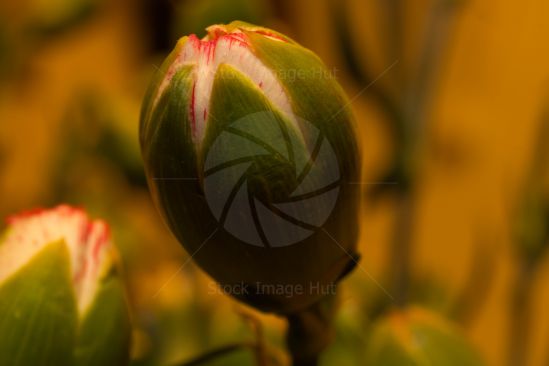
point(50, 17)
point(415, 337)
point(193, 17)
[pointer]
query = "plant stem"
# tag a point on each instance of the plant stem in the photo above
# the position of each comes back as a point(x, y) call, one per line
point(310, 362)
point(520, 315)
point(260, 351)
point(219, 352)
point(302, 340)
point(402, 248)
point(470, 299)
point(412, 116)
point(310, 331)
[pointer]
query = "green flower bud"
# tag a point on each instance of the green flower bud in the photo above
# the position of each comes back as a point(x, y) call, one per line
point(251, 155)
point(61, 299)
point(417, 337)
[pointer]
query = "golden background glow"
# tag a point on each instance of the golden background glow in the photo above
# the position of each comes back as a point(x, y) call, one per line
point(490, 91)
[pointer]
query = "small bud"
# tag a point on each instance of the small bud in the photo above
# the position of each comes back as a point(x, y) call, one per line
point(61, 299)
point(252, 159)
point(418, 337)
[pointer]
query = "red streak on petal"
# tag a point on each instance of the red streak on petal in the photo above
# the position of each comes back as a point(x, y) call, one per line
point(170, 73)
point(195, 41)
point(261, 84)
point(24, 215)
point(85, 232)
point(239, 38)
point(205, 114)
point(63, 209)
point(211, 50)
point(193, 116)
point(100, 241)
point(206, 47)
point(78, 276)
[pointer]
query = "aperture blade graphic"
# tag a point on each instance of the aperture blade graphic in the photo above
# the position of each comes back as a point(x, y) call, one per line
point(229, 147)
point(249, 180)
point(279, 232)
point(218, 187)
point(240, 221)
point(313, 211)
point(323, 171)
point(264, 131)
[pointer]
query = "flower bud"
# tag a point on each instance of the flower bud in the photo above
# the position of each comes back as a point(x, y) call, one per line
point(61, 299)
point(418, 337)
point(252, 159)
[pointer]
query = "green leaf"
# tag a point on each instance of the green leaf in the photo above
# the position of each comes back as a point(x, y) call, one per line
point(418, 338)
point(38, 307)
point(104, 336)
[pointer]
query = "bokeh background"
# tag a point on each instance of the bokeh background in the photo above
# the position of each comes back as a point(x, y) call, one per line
point(452, 102)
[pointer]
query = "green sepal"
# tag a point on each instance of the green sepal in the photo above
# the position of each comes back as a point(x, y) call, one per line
point(247, 27)
point(150, 100)
point(260, 132)
point(315, 95)
point(38, 311)
point(170, 157)
point(105, 331)
point(234, 98)
point(169, 148)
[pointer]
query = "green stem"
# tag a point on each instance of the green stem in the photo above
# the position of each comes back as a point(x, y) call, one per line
point(219, 352)
point(311, 331)
point(402, 248)
point(474, 293)
point(521, 304)
point(260, 351)
point(310, 362)
point(413, 106)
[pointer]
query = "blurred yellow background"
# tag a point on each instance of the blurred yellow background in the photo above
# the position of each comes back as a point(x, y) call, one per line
point(72, 75)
